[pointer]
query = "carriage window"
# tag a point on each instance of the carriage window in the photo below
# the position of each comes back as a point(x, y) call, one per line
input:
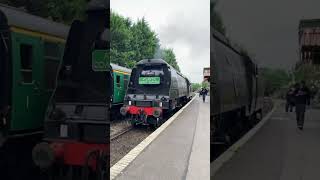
point(26, 56)
point(118, 81)
point(125, 81)
point(52, 56)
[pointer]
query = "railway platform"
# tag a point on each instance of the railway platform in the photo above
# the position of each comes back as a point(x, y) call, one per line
point(278, 150)
point(180, 151)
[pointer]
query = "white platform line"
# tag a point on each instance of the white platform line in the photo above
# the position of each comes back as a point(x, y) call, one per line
point(118, 168)
point(227, 155)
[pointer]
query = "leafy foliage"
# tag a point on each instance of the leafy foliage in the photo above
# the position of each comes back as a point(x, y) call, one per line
point(144, 40)
point(311, 75)
point(132, 42)
point(205, 84)
point(57, 10)
point(274, 79)
point(66, 11)
point(195, 86)
point(121, 40)
point(308, 73)
point(169, 56)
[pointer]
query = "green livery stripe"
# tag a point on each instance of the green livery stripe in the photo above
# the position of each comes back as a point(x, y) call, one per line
point(37, 34)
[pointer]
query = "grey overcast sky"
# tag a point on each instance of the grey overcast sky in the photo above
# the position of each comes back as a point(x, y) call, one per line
point(183, 25)
point(268, 28)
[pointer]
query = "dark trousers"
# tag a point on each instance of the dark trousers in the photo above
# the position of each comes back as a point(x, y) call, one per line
point(289, 106)
point(300, 112)
point(204, 97)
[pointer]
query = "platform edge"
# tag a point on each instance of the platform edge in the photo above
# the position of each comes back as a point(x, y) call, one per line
point(118, 168)
point(229, 153)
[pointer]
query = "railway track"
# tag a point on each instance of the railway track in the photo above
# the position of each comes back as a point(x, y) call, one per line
point(115, 136)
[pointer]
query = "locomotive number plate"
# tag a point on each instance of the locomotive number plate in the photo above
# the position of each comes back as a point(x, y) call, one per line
point(149, 80)
point(100, 60)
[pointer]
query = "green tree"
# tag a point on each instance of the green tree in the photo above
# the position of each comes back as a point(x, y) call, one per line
point(195, 86)
point(34, 7)
point(311, 75)
point(170, 58)
point(205, 84)
point(144, 41)
point(274, 79)
point(308, 73)
point(132, 42)
point(66, 11)
point(168, 55)
point(121, 52)
point(57, 10)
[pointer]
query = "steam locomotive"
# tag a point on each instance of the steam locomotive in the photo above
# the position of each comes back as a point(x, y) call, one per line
point(155, 88)
point(236, 91)
point(76, 127)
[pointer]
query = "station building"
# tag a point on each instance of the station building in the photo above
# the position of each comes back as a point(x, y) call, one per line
point(206, 74)
point(309, 42)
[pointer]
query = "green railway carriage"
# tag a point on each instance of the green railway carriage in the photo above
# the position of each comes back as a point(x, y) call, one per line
point(121, 77)
point(30, 52)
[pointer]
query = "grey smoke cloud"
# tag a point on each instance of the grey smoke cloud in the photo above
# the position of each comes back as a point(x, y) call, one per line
point(268, 29)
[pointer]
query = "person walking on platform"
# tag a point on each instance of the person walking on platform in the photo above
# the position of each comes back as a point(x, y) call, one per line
point(302, 98)
point(204, 92)
point(290, 99)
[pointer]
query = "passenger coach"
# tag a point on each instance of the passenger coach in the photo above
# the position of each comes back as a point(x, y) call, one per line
point(31, 49)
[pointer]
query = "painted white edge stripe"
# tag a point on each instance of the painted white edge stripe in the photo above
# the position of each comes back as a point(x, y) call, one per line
point(118, 168)
point(227, 155)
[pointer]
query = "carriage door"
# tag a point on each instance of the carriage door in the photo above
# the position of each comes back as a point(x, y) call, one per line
point(27, 74)
point(118, 87)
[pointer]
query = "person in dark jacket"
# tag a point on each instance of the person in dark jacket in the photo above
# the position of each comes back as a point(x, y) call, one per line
point(290, 99)
point(302, 98)
point(204, 92)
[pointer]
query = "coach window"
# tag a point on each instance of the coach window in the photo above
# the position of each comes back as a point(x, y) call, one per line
point(26, 56)
point(125, 81)
point(52, 56)
point(118, 81)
